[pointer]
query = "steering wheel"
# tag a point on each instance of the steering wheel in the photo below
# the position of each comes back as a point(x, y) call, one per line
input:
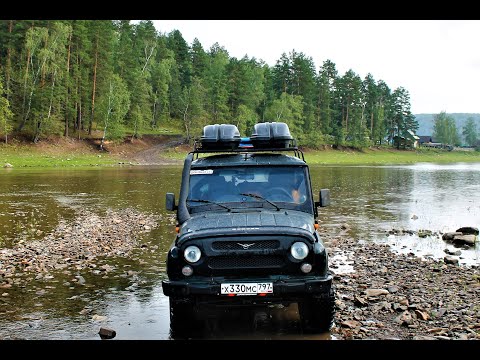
point(278, 194)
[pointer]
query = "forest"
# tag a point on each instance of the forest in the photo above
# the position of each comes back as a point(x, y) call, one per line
point(117, 78)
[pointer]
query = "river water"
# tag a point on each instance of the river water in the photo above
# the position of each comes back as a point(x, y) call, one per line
point(372, 200)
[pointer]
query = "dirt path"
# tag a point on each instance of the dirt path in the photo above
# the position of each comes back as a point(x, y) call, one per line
point(148, 150)
point(153, 155)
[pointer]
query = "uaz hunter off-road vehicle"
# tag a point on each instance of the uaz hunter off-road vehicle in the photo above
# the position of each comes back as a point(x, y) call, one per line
point(247, 229)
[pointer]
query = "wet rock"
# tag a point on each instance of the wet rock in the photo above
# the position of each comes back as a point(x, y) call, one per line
point(437, 330)
point(468, 230)
point(450, 260)
point(352, 324)
point(404, 319)
point(424, 233)
point(382, 306)
point(375, 292)
point(345, 227)
point(404, 302)
point(360, 301)
point(439, 313)
point(99, 318)
point(106, 333)
point(441, 337)
point(80, 279)
point(399, 308)
point(393, 289)
point(453, 252)
point(423, 337)
point(422, 315)
point(450, 235)
point(465, 239)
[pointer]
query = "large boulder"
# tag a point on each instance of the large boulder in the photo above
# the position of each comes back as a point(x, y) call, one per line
point(468, 230)
point(451, 235)
point(465, 239)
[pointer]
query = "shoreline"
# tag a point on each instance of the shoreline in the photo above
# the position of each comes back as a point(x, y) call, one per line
point(170, 150)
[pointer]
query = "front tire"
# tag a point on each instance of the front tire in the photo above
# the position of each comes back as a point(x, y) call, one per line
point(317, 312)
point(182, 317)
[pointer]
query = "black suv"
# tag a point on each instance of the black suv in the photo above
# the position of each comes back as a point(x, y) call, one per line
point(246, 232)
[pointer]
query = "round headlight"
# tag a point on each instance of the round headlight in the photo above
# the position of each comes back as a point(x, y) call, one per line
point(192, 254)
point(299, 250)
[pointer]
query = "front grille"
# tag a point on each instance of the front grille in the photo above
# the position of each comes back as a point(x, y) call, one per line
point(245, 245)
point(240, 262)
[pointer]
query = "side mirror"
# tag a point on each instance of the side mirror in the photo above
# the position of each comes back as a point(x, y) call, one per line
point(170, 202)
point(324, 198)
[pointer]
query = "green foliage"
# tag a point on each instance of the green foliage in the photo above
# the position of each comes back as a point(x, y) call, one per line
point(113, 106)
point(470, 132)
point(445, 129)
point(287, 109)
point(216, 85)
point(246, 119)
point(57, 76)
point(311, 139)
point(5, 113)
point(193, 113)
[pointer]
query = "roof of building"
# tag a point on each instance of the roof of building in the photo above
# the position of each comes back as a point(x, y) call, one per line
point(412, 134)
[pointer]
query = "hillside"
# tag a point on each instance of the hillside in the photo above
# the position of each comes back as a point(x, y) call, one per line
point(425, 122)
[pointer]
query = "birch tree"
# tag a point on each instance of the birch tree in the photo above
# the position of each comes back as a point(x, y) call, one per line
point(5, 113)
point(113, 106)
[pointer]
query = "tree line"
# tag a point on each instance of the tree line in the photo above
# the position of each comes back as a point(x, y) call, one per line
point(445, 130)
point(73, 77)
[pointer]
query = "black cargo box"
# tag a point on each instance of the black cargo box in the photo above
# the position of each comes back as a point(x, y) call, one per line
point(271, 135)
point(220, 137)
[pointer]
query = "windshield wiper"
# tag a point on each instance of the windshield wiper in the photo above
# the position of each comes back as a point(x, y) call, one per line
point(261, 198)
point(209, 202)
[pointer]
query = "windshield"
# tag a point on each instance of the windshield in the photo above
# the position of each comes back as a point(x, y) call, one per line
point(272, 187)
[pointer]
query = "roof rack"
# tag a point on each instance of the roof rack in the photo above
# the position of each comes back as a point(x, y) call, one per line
point(266, 137)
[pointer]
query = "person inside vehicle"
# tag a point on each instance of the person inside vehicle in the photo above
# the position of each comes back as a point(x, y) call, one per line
point(298, 187)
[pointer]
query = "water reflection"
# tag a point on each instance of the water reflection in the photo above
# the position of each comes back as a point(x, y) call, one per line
point(374, 200)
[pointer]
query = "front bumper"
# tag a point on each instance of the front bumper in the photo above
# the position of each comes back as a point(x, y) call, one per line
point(283, 287)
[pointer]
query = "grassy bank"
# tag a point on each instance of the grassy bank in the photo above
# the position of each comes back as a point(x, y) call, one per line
point(70, 153)
point(20, 157)
point(385, 156)
point(53, 154)
point(389, 156)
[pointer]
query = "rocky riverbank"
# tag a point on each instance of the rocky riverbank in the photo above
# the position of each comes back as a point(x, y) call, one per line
point(380, 294)
point(74, 245)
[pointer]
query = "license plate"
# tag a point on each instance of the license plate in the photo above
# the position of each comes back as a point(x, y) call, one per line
point(246, 288)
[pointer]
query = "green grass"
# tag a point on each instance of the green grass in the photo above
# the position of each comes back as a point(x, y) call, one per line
point(389, 156)
point(386, 156)
point(28, 156)
point(24, 156)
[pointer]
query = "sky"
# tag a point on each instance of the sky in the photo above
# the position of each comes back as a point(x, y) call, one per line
point(436, 61)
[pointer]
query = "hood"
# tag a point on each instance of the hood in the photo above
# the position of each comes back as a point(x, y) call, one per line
point(261, 222)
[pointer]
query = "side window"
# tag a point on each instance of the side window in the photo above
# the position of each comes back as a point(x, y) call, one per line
point(198, 187)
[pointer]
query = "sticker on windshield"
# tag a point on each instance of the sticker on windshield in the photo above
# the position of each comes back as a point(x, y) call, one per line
point(201, 172)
